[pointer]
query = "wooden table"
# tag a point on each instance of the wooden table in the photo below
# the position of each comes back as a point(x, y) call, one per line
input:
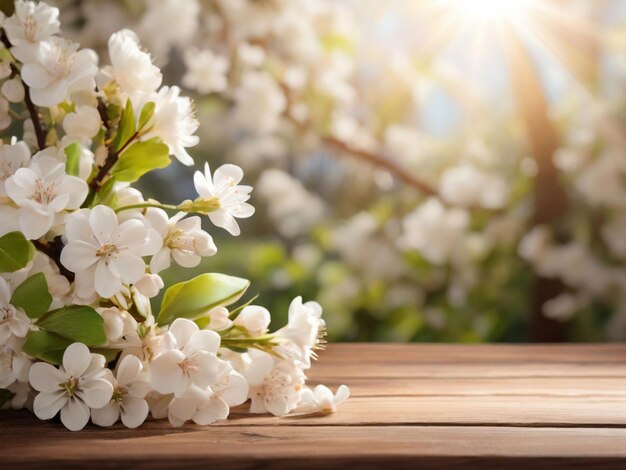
point(427, 405)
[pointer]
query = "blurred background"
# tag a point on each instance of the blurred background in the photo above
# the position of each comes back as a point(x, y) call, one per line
point(438, 170)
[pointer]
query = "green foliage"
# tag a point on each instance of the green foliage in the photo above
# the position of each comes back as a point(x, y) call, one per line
point(77, 323)
point(191, 299)
point(46, 346)
point(139, 159)
point(72, 163)
point(15, 252)
point(127, 127)
point(146, 114)
point(32, 296)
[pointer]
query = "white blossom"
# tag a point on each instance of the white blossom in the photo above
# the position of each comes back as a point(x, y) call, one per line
point(174, 121)
point(13, 320)
point(77, 386)
point(255, 319)
point(275, 386)
point(59, 70)
point(192, 362)
point(82, 124)
point(131, 67)
point(128, 401)
point(259, 95)
point(206, 71)
point(103, 252)
point(13, 90)
point(435, 231)
point(303, 333)
point(31, 23)
point(43, 191)
point(13, 156)
point(14, 364)
point(224, 185)
point(184, 241)
point(321, 399)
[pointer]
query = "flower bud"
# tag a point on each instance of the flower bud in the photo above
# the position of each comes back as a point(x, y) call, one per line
point(83, 124)
point(13, 90)
point(254, 318)
point(149, 285)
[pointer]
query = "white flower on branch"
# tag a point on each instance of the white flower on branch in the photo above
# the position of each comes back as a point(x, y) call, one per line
point(59, 70)
point(14, 364)
point(224, 185)
point(173, 121)
point(74, 388)
point(193, 362)
point(82, 124)
point(303, 333)
point(13, 156)
point(255, 319)
point(30, 24)
point(43, 191)
point(13, 90)
point(184, 241)
point(103, 252)
point(128, 401)
point(131, 67)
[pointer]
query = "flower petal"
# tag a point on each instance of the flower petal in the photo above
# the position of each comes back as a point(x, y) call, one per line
point(76, 359)
point(128, 370)
point(182, 329)
point(134, 411)
point(106, 416)
point(75, 414)
point(96, 393)
point(211, 410)
point(45, 377)
point(47, 405)
point(203, 340)
point(166, 376)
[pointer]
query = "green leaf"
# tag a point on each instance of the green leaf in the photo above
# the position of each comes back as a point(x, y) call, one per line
point(126, 128)
point(5, 395)
point(15, 252)
point(146, 114)
point(139, 159)
point(77, 323)
point(191, 299)
point(72, 162)
point(46, 346)
point(32, 296)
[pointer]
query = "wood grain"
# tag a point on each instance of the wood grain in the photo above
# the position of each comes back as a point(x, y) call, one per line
point(412, 405)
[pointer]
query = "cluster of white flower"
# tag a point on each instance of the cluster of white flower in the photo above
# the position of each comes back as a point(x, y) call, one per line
point(82, 251)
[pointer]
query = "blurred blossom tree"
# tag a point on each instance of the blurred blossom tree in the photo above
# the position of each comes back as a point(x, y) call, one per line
point(430, 170)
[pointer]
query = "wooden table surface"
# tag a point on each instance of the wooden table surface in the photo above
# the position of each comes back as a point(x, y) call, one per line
point(426, 405)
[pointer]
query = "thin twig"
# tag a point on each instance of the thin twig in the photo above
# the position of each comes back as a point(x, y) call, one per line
point(372, 158)
point(40, 132)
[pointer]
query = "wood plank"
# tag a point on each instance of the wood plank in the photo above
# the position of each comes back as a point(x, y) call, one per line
point(438, 405)
point(158, 446)
point(470, 361)
point(371, 353)
point(478, 386)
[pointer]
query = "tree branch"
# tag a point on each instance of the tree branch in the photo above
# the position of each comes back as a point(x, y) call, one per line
point(53, 251)
point(40, 132)
point(372, 158)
